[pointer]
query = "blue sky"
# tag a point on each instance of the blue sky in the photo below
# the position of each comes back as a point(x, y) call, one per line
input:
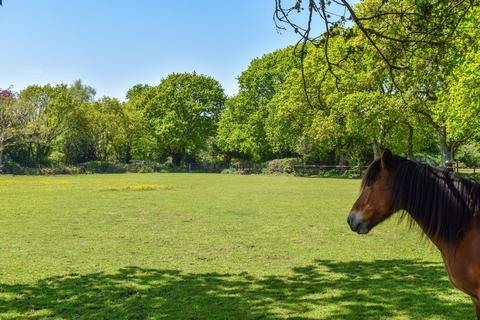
point(113, 45)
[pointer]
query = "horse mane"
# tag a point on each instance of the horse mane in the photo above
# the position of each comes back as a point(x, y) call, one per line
point(442, 202)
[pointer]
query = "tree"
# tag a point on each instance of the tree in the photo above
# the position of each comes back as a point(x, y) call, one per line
point(77, 142)
point(463, 98)
point(181, 112)
point(110, 125)
point(241, 131)
point(289, 118)
point(48, 109)
point(136, 91)
point(12, 122)
point(341, 83)
point(143, 143)
point(440, 91)
point(342, 112)
point(406, 25)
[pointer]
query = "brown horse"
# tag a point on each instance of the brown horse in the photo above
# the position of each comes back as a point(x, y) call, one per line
point(445, 206)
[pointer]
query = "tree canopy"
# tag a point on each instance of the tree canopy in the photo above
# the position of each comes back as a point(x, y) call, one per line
point(401, 74)
point(181, 112)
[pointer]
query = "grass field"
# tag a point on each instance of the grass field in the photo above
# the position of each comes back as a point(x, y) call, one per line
point(200, 246)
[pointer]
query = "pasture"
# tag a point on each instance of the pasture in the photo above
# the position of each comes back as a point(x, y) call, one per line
point(205, 246)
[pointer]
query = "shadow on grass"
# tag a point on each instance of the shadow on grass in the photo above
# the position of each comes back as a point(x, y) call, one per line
point(326, 289)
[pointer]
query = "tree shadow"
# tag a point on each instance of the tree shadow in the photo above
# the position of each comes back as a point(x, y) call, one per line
point(380, 289)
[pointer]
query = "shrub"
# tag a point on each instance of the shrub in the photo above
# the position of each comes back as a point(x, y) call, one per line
point(350, 173)
point(56, 158)
point(229, 171)
point(279, 166)
point(147, 166)
point(57, 170)
point(103, 167)
point(469, 154)
point(145, 169)
point(15, 169)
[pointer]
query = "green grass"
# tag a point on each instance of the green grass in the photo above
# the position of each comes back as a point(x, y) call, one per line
point(200, 246)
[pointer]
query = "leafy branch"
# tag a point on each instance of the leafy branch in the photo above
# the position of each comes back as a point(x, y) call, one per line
point(407, 25)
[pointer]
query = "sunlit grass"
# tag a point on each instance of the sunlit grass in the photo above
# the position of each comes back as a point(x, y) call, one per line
point(140, 187)
point(200, 246)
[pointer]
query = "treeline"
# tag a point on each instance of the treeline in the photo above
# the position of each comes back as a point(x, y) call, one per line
point(340, 110)
point(57, 125)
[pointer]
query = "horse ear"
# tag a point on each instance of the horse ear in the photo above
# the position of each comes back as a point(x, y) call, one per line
point(386, 158)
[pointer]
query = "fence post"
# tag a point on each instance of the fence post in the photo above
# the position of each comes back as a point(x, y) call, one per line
point(189, 167)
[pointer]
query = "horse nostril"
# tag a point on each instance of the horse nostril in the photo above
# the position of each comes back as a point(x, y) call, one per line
point(357, 224)
point(351, 221)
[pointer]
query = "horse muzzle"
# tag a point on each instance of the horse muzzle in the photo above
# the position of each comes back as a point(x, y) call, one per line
point(357, 224)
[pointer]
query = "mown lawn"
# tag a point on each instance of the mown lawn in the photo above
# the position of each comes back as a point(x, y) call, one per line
point(199, 246)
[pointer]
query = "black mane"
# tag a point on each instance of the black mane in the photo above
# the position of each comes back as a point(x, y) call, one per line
point(440, 201)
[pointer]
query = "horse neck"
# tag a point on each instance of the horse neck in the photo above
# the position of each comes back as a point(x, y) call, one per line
point(414, 194)
point(440, 243)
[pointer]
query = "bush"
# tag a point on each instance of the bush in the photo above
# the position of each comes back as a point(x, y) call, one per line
point(145, 169)
point(281, 166)
point(56, 158)
point(103, 167)
point(15, 169)
point(139, 166)
point(59, 170)
point(341, 173)
point(469, 154)
point(229, 171)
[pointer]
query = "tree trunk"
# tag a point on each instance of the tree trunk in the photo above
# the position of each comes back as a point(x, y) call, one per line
point(227, 159)
point(128, 154)
point(1, 159)
point(376, 149)
point(453, 151)
point(410, 154)
point(41, 155)
point(444, 149)
point(342, 159)
point(177, 158)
